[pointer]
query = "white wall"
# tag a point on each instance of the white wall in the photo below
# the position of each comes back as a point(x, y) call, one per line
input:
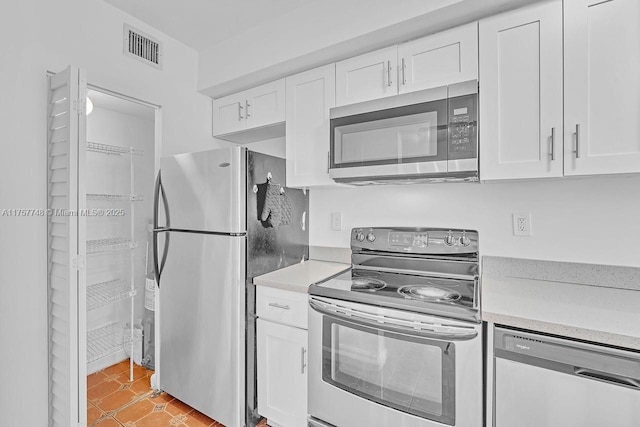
point(41, 35)
point(321, 32)
point(311, 27)
point(591, 220)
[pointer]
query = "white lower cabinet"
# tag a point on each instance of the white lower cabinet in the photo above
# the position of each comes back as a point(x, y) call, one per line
point(282, 356)
point(282, 374)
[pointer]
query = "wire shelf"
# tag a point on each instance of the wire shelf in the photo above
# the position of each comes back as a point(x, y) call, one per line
point(113, 150)
point(115, 197)
point(110, 292)
point(104, 341)
point(110, 245)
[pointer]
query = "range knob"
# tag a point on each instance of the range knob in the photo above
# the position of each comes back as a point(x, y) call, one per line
point(371, 237)
point(449, 240)
point(464, 240)
point(360, 236)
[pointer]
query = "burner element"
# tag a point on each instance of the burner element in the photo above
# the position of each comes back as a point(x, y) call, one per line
point(366, 284)
point(428, 293)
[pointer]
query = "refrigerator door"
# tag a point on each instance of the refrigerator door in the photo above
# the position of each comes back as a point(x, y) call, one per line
point(205, 191)
point(202, 324)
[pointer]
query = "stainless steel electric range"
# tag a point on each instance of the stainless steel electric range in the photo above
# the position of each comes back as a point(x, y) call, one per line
point(397, 341)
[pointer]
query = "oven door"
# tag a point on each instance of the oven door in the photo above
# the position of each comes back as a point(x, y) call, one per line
point(376, 366)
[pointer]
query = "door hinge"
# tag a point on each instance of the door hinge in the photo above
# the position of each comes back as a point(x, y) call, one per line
point(79, 105)
point(78, 262)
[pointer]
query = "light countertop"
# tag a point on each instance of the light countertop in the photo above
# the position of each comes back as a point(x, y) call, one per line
point(299, 277)
point(564, 299)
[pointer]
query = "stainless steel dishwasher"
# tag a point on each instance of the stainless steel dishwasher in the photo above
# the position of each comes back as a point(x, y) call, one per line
point(546, 381)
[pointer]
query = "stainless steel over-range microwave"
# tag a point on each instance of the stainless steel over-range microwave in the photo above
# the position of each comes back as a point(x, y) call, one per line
point(429, 135)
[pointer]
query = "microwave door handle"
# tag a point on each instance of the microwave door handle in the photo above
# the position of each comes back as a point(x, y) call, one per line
point(448, 333)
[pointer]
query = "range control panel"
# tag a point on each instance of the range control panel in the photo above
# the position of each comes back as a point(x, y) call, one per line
point(415, 240)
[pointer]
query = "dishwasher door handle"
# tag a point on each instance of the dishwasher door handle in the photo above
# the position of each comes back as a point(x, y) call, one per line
point(607, 377)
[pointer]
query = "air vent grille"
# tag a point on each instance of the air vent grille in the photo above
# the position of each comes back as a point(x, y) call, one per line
point(142, 47)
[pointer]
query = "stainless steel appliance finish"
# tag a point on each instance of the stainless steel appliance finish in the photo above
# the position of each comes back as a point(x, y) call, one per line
point(424, 136)
point(398, 340)
point(209, 244)
point(543, 380)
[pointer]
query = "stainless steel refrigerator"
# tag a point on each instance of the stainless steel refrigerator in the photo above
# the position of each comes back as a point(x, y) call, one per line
point(211, 238)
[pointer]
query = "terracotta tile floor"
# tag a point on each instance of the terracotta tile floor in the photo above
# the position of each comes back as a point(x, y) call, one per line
point(114, 401)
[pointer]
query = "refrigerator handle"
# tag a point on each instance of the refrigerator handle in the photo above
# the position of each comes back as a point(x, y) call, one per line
point(156, 196)
point(159, 192)
point(156, 271)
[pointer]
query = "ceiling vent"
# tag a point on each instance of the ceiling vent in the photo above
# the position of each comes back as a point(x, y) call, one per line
point(142, 47)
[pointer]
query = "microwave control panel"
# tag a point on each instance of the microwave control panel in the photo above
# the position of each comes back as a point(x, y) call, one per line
point(463, 141)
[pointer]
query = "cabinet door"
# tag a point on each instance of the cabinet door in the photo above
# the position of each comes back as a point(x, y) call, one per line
point(521, 93)
point(368, 76)
point(282, 374)
point(310, 95)
point(602, 88)
point(447, 57)
point(265, 105)
point(66, 244)
point(228, 114)
point(531, 396)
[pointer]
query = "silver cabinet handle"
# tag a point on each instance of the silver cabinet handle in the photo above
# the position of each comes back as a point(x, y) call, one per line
point(553, 143)
point(304, 221)
point(389, 82)
point(577, 151)
point(328, 160)
point(281, 306)
point(404, 80)
point(246, 111)
point(240, 111)
point(302, 363)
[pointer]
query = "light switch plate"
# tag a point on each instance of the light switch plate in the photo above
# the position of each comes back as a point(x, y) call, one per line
point(336, 221)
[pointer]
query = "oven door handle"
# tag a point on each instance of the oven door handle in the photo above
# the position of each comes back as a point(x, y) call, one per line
point(392, 324)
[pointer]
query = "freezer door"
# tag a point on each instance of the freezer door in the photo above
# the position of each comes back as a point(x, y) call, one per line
point(205, 191)
point(202, 324)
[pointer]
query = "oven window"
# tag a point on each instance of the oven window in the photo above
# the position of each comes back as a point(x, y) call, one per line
point(409, 373)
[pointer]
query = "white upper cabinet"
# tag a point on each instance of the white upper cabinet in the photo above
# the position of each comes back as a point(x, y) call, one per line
point(310, 95)
point(252, 115)
point(521, 93)
point(228, 114)
point(265, 104)
point(368, 76)
point(602, 86)
point(441, 59)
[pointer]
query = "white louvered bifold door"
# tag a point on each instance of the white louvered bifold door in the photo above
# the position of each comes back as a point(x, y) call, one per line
point(66, 140)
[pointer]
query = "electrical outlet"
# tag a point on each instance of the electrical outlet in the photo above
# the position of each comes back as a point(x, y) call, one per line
point(521, 224)
point(336, 221)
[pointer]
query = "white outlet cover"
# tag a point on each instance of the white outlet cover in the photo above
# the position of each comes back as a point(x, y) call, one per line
point(521, 224)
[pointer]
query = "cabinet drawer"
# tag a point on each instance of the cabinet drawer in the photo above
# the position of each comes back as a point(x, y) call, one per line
point(282, 306)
